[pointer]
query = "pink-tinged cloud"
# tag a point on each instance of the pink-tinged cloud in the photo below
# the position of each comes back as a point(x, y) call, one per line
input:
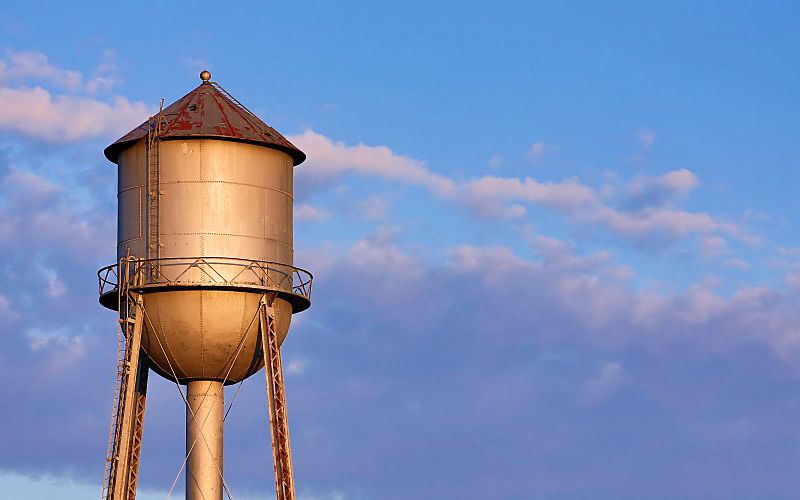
point(642, 209)
point(327, 157)
point(646, 138)
point(36, 113)
point(671, 222)
point(47, 218)
point(535, 152)
point(21, 68)
point(568, 194)
point(25, 66)
point(44, 101)
point(307, 212)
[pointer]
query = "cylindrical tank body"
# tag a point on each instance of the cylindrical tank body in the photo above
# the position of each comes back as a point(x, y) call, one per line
point(218, 199)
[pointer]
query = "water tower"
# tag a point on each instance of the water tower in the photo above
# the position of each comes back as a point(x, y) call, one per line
point(205, 283)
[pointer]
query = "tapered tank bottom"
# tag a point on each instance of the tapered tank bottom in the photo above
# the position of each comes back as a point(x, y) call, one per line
point(204, 440)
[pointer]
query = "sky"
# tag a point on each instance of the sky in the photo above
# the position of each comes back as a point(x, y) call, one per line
point(554, 244)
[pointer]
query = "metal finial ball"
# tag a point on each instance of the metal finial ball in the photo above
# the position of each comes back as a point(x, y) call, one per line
point(205, 75)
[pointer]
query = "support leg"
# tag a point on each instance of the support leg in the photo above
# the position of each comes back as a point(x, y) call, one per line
point(124, 454)
point(204, 429)
point(278, 419)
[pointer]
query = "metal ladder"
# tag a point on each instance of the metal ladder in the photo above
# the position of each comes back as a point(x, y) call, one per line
point(278, 419)
point(153, 188)
point(125, 433)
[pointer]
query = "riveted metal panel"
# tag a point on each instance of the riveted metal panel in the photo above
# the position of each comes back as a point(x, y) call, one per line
point(132, 200)
point(218, 199)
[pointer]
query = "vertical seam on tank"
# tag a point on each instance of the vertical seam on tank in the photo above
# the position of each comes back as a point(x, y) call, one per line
point(264, 215)
point(241, 327)
point(140, 211)
point(202, 339)
point(202, 254)
point(168, 354)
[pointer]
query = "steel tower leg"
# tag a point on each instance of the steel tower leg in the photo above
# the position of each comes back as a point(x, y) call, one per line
point(122, 467)
point(278, 420)
point(204, 440)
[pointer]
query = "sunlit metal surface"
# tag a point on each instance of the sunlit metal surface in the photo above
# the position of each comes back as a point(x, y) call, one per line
point(290, 282)
point(205, 252)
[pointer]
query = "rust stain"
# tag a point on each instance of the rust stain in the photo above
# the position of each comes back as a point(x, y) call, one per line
point(208, 111)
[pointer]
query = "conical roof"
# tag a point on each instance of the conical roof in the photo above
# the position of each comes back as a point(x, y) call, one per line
point(209, 111)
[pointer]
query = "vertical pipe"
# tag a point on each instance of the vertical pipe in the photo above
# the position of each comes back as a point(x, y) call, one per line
point(204, 430)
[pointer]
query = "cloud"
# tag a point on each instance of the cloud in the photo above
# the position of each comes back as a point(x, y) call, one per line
point(666, 223)
point(405, 347)
point(604, 383)
point(36, 113)
point(408, 344)
point(644, 210)
point(646, 138)
point(327, 157)
point(66, 113)
point(567, 194)
point(23, 67)
point(307, 212)
point(535, 152)
point(714, 246)
point(648, 192)
point(496, 161)
point(48, 219)
point(32, 65)
point(105, 76)
point(374, 207)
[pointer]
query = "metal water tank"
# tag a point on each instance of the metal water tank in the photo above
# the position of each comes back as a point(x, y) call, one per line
point(214, 229)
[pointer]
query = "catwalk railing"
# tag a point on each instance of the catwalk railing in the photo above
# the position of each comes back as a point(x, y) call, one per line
point(210, 272)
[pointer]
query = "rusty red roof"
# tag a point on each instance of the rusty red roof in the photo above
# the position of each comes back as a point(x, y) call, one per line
point(209, 111)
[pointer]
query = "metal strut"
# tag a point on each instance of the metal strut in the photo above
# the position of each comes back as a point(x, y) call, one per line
point(127, 421)
point(278, 420)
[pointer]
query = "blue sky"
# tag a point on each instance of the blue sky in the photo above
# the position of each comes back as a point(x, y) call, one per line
point(555, 248)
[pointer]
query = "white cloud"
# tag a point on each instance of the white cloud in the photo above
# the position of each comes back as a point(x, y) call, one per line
point(105, 76)
point(535, 152)
point(373, 207)
point(714, 246)
point(663, 221)
point(60, 347)
point(55, 287)
point(44, 101)
point(646, 138)
point(646, 204)
point(46, 216)
point(496, 161)
point(33, 65)
point(326, 157)
point(296, 366)
point(568, 193)
point(669, 185)
point(36, 113)
point(604, 384)
point(307, 212)
point(736, 264)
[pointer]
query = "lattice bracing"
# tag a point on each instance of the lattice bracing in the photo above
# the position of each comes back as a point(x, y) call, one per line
point(278, 419)
point(125, 436)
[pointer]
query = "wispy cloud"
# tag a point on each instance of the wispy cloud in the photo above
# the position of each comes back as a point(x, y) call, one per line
point(646, 138)
point(328, 157)
point(307, 212)
point(44, 101)
point(645, 209)
point(535, 152)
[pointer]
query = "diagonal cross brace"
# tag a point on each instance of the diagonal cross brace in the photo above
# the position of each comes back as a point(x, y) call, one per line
point(125, 451)
point(278, 419)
